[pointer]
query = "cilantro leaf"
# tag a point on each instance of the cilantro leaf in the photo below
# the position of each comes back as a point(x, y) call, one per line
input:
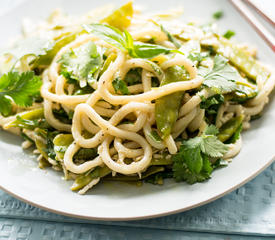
point(229, 34)
point(125, 42)
point(211, 106)
point(222, 78)
point(192, 163)
point(193, 159)
point(211, 130)
point(218, 15)
point(120, 86)
point(182, 171)
point(19, 88)
point(81, 63)
point(212, 146)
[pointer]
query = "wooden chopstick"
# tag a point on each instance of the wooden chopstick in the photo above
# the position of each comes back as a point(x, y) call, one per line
point(258, 10)
point(255, 23)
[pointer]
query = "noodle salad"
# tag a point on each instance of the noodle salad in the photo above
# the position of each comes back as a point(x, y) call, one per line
point(120, 95)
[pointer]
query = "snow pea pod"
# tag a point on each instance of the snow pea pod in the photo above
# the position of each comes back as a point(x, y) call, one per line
point(83, 180)
point(121, 17)
point(229, 128)
point(61, 143)
point(58, 44)
point(244, 92)
point(107, 62)
point(167, 107)
point(240, 59)
point(150, 171)
point(161, 161)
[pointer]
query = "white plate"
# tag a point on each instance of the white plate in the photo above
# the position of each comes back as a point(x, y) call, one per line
point(117, 201)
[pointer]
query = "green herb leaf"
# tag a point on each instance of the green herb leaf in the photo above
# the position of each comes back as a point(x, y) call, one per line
point(212, 146)
point(146, 50)
point(191, 163)
point(218, 15)
point(212, 104)
point(120, 86)
point(81, 63)
point(211, 130)
point(125, 42)
point(107, 33)
point(19, 88)
point(222, 78)
point(185, 160)
point(229, 34)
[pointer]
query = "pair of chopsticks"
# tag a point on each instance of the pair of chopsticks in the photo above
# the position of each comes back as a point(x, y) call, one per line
point(255, 23)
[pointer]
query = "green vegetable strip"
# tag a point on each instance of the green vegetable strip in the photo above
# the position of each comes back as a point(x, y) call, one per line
point(229, 128)
point(161, 161)
point(241, 59)
point(61, 143)
point(29, 115)
point(83, 180)
point(107, 62)
point(150, 171)
point(120, 18)
point(167, 107)
point(59, 43)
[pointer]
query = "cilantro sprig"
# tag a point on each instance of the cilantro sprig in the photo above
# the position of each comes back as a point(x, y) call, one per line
point(223, 77)
point(125, 42)
point(81, 64)
point(192, 163)
point(18, 88)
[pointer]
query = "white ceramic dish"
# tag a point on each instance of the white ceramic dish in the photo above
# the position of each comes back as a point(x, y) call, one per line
point(20, 176)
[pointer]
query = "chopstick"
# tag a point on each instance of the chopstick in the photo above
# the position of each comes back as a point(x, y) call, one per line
point(258, 10)
point(255, 23)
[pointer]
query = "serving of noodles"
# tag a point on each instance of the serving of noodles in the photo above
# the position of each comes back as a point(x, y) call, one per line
point(132, 97)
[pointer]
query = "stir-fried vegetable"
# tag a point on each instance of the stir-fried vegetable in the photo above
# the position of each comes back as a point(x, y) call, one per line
point(121, 17)
point(229, 128)
point(83, 180)
point(167, 107)
point(239, 58)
